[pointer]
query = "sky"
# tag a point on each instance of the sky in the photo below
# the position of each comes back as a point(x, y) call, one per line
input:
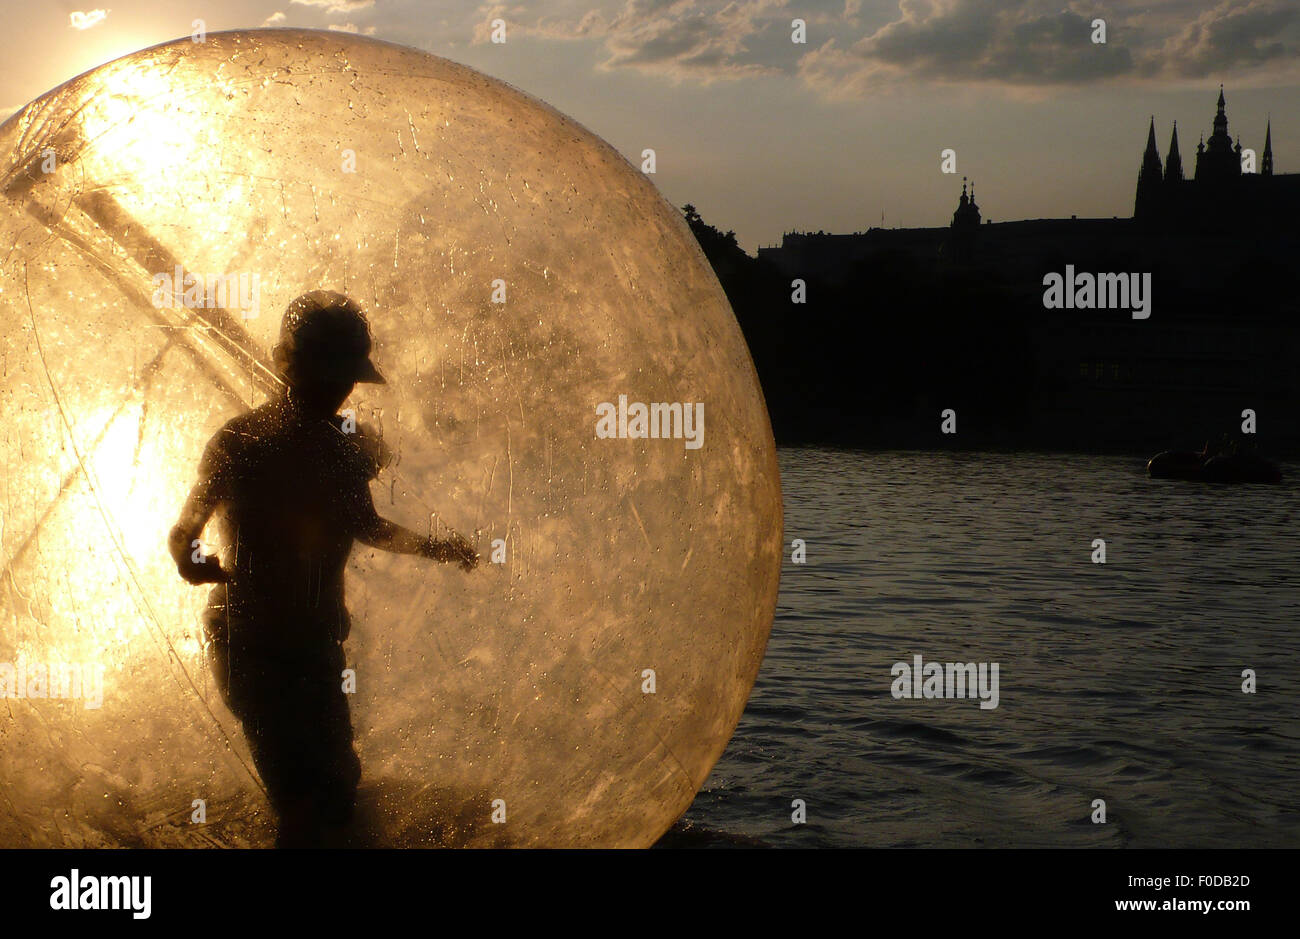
point(765, 135)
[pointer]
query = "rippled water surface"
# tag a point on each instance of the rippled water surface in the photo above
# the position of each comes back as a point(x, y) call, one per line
point(1118, 681)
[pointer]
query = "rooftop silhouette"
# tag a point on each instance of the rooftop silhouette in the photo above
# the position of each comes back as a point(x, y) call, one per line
point(897, 324)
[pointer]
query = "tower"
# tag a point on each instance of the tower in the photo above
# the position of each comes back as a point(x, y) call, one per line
point(1266, 163)
point(1219, 160)
point(1174, 162)
point(1147, 202)
point(968, 213)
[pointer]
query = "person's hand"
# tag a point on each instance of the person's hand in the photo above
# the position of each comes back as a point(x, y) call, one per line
point(207, 571)
point(455, 549)
point(462, 552)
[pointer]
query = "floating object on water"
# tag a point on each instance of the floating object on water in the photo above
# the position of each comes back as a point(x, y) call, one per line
point(1240, 468)
point(1175, 464)
point(1219, 468)
point(158, 213)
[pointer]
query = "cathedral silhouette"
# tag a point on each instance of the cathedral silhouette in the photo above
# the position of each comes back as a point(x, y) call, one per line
point(899, 323)
point(1219, 195)
point(1219, 201)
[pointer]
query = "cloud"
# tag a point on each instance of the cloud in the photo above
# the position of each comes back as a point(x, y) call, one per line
point(1011, 42)
point(336, 6)
point(698, 39)
point(79, 20)
point(1235, 35)
point(1039, 43)
point(706, 45)
point(855, 47)
point(351, 28)
point(276, 17)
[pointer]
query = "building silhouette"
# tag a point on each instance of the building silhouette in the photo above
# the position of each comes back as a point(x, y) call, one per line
point(967, 215)
point(1220, 195)
point(899, 323)
point(1218, 199)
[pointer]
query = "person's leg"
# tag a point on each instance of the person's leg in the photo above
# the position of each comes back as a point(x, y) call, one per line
point(219, 663)
point(308, 747)
point(300, 825)
point(299, 730)
point(306, 739)
point(218, 649)
point(266, 693)
point(340, 767)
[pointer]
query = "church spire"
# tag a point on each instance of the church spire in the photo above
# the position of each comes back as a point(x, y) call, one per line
point(1266, 164)
point(1220, 160)
point(1148, 187)
point(968, 213)
point(1174, 162)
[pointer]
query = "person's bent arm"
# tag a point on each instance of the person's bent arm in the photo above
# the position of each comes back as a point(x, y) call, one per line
point(183, 540)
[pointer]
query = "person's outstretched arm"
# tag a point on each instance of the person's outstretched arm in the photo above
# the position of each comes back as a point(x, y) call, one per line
point(182, 542)
point(379, 532)
point(374, 530)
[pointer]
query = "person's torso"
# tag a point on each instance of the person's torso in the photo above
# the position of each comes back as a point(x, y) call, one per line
point(287, 522)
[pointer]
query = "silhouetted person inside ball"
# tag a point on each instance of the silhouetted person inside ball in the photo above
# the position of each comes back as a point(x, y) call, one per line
point(290, 488)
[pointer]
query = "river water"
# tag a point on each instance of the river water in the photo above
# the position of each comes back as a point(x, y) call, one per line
point(1119, 681)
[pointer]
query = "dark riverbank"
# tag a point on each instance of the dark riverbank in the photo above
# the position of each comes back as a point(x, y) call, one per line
point(896, 327)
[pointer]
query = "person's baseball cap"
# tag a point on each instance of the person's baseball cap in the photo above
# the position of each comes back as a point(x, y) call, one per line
point(326, 335)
